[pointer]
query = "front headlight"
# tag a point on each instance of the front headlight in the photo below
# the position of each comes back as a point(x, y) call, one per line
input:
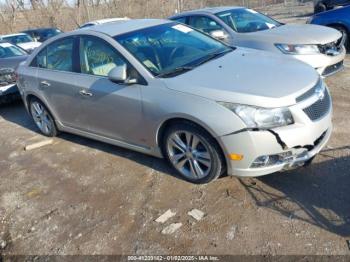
point(298, 49)
point(257, 117)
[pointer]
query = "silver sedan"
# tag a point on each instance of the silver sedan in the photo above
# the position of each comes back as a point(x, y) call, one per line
point(319, 46)
point(164, 89)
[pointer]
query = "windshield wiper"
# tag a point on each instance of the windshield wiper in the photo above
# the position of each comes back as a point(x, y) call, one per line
point(183, 69)
point(213, 56)
point(176, 71)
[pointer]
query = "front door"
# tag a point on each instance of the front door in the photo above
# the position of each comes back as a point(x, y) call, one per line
point(108, 109)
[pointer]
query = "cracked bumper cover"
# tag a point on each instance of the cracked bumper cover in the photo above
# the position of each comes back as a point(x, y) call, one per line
point(304, 141)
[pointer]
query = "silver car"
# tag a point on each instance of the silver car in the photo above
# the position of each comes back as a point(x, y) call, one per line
point(321, 47)
point(164, 89)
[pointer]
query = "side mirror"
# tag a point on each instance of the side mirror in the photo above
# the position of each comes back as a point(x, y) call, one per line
point(219, 34)
point(119, 75)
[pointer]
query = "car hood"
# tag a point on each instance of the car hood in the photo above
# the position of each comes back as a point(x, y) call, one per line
point(250, 77)
point(297, 34)
point(29, 45)
point(12, 62)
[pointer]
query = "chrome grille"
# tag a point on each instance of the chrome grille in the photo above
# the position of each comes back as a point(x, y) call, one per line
point(320, 108)
point(333, 68)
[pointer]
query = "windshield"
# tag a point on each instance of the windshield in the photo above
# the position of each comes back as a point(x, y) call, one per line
point(246, 20)
point(8, 50)
point(171, 47)
point(18, 39)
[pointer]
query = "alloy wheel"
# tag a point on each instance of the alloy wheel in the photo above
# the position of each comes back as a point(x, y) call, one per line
point(41, 117)
point(189, 154)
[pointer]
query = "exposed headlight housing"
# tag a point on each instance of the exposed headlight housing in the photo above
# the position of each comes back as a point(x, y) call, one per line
point(298, 49)
point(257, 117)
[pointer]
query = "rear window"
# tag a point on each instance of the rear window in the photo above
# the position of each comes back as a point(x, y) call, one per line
point(8, 50)
point(18, 39)
point(56, 56)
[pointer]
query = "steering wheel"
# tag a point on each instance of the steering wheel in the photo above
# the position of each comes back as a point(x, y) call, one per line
point(173, 52)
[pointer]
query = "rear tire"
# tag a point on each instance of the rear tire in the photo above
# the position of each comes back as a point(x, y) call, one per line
point(319, 8)
point(193, 152)
point(42, 118)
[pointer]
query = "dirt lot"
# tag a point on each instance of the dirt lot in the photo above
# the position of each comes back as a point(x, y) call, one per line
point(79, 196)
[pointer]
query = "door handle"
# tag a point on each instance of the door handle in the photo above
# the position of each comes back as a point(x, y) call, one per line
point(84, 93)
point(45, 83)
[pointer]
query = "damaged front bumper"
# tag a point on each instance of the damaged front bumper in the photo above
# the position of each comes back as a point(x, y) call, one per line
point(267, 151)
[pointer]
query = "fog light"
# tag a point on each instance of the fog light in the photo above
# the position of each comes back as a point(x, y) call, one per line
point(270, 160)
point(261, 161)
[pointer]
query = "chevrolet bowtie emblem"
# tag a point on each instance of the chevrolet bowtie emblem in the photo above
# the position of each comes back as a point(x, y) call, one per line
point(320, 92)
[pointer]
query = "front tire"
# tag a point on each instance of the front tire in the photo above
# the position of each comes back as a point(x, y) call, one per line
point(42, 118)
point(193, 153)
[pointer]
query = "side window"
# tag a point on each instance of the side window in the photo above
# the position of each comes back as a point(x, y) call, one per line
point(97, 57)
point(181, 20)
point(204, 24)
point(60, 55)
point(40, 59)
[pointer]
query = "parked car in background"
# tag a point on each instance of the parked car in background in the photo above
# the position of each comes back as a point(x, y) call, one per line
point(22, 40)
point(103, 21)
point(10, 57)
point(324, 5)
point(338, 19)
point(162, 88)
point(320, 47)
point(42, 34)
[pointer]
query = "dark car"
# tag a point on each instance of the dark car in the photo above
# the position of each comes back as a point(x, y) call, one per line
point(42, 34)
point(10, 57)
point(324, 5)
point(338, 18)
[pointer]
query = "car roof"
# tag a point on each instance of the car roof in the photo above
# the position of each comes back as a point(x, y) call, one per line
point(12, 35)
point(39, 29)
point(125, 26)
point(210, 10)
point(106, 20)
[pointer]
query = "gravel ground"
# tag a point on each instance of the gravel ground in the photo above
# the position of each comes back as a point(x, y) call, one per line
point(79, 196)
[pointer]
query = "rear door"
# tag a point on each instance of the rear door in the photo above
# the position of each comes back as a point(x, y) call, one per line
point(57, 71)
